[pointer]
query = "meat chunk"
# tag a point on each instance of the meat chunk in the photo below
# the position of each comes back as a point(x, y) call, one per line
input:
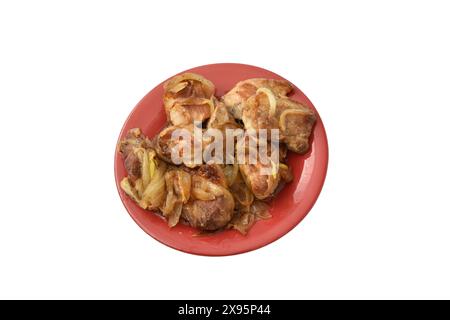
point(129, 147)
point(296, 123)
point(223, 121)
point(209, 215)
point(175, 140)
point(211, 205)
point(262, 185)
point(221, 118)
point(187, 111)
point(245, 89)
point(261, 174)
point(213, 173)
point(265, 110)
point(145, 180)
point(187, 98)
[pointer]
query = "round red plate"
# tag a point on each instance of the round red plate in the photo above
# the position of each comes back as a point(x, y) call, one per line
point(287, 209)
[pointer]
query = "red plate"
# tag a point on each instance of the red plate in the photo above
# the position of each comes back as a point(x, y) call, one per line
point(287, 209)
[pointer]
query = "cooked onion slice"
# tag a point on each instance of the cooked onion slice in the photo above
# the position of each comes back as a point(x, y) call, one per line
point(243, 194)
point(154, 193)
point(203, 189)
point(211, 104)
point(178, 192)
point(186, 103)
point(145, 169)
point(139, 186)
point(129, 190)
point(200, 194)
point(174, 218)
point(178, 83)
point(231, 172)
point(182, 185)
point(272, 100)
point(261, 210)
point(179, 86)
point(246, 217)
point(242, 222)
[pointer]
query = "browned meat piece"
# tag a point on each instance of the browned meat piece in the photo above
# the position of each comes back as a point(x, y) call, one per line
point(209, 215)
point(286, 173)
point(245, 89)
point(265, 110)
point(145, 180)
point(265, 186)
point(165, 144)
point(296, 123)
point(262, 185)
point(283, 152)
point(262, 177)
point(211, 205)
point(256, 112)
point(221, 118)
point(187, 97)
point(189, 110)
point(213, 173)
point(133, 141)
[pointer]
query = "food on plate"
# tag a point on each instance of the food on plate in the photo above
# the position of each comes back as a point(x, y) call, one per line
point(132, 148)
point(221, 118)
point(145, 181)
point(187, 98)
point(244, 219)
point(178, 191)
point(264, 176)
point(166, 175)
point(245, 89)
point(211, 206)
point(266, 110)
point(188, 110)
point(168, 145)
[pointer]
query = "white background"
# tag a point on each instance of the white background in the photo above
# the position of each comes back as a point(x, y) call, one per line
point(378, 72)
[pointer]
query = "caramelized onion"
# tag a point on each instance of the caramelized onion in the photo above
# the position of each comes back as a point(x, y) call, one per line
point(242, 193)
point(185, 77)
point(200, 194)
point(242, 222)
point(261, 210)
point(246, 217)
point(128, 189)
point(192, 84)
point(207, 186)
point(272, 100)
point(174, 218)
point(145, 169)
point(139, 186)
point(153, 195)
point(178, 192)
point(286, 173)
point(231, 172)
point(182, 184)
point(169, 204)
point(179, 86)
